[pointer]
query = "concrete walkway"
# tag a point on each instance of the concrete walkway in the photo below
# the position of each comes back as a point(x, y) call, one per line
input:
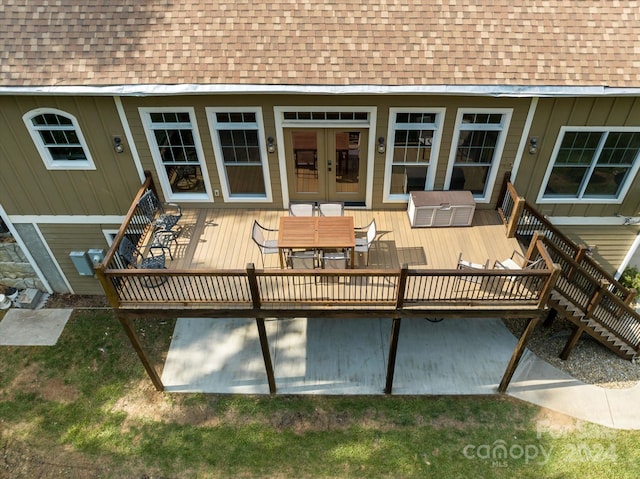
point(322, 356)
point(33, 327)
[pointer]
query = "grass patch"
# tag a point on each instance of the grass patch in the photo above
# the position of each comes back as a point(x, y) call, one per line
point(85, 408)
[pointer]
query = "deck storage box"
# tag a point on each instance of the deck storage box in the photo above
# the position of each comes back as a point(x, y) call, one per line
point(441, 208)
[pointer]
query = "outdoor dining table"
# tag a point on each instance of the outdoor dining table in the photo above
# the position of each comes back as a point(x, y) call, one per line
point(316, 232)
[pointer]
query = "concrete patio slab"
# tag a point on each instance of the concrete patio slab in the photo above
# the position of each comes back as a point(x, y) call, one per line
point(215, 356)
point(346, 356)
point(455, 356)
point(28, 327)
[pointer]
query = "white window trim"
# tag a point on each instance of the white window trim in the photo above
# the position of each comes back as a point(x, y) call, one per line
point(435, 149)
point(45, 154)
point(497, 159)
point(370, 125)
point(609, 201)
point(222, 172)
point(145, 116)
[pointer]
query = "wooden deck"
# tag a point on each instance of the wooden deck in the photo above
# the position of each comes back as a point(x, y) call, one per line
point(221, 239)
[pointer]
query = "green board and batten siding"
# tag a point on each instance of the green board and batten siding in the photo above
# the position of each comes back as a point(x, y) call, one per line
point(64, 238)
point(554, 113)
point(30, 189)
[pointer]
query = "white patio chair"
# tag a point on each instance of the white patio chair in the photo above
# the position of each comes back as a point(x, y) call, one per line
point(363, 244)
point(331, 209)
point(470, 266)
point(302, 259)
point(259, 236)
point(335, 260)
point(522, 263)
point(301, 209)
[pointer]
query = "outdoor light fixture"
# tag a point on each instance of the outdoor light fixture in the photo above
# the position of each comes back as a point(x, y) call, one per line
point(381, 146)
point(533, 145)
point(271, 146)
point(117, 144)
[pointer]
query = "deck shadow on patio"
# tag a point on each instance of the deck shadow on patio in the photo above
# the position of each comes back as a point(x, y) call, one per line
point(329, 356)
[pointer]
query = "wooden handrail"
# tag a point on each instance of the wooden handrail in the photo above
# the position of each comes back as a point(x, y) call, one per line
point(516, 226)
point(108, 257)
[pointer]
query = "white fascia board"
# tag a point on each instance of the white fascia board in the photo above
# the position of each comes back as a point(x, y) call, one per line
point(67, 219)
point(198, 89)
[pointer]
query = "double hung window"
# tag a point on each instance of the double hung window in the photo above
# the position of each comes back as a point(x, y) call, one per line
point(240, 153)
point(175, 146)
point(475, 154)
point(415, 139)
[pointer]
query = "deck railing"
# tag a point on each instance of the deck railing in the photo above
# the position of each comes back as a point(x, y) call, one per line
point(320, 289)
point(594, 298)
point(523, 220)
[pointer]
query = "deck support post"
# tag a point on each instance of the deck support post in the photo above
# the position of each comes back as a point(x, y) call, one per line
point(517, 353)
point(571, 343)
point(266, 354)
point(393, 349)
point(551, 317)
point(516, 213)
point(127, 325)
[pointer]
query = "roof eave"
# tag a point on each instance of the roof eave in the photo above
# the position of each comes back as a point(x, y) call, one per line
point(205, 89)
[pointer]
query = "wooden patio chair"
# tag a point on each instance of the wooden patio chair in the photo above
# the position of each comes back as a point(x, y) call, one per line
point(161, 215)
point(331, 208)
point(267, 246)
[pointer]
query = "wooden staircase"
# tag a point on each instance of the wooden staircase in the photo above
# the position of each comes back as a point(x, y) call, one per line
point(605, 336)
point(585, 294)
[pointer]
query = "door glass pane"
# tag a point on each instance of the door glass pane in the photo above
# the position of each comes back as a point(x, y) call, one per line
point(305, 157)
point(347, 162)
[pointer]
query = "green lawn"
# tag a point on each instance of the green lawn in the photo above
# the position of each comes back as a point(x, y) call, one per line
point(85, 408)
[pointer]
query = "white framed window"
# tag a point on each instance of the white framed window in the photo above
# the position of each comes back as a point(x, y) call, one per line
point(476, 150)
point(591, 164)
point(176, 149)
point(59, 140)
point(412, 151)
point(241, 156)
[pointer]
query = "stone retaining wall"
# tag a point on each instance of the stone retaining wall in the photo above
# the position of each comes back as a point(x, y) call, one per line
point(15, 270)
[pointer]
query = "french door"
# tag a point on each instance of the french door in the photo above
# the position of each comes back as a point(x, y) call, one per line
point(326, 164)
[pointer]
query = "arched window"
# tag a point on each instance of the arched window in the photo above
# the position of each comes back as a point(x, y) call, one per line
point(59, 140)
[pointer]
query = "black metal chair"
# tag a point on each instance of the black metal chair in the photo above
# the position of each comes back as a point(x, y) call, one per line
point(132, 257)
point(161, 215)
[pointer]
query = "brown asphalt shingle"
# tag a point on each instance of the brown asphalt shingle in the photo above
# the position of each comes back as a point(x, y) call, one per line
point(306, 42)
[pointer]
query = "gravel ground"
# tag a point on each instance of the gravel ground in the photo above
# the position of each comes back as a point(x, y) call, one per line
point(590, 362)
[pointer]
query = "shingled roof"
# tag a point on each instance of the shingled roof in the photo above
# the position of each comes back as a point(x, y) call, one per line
point(306, 42)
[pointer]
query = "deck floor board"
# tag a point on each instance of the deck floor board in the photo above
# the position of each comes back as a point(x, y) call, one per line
point(221, 239)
